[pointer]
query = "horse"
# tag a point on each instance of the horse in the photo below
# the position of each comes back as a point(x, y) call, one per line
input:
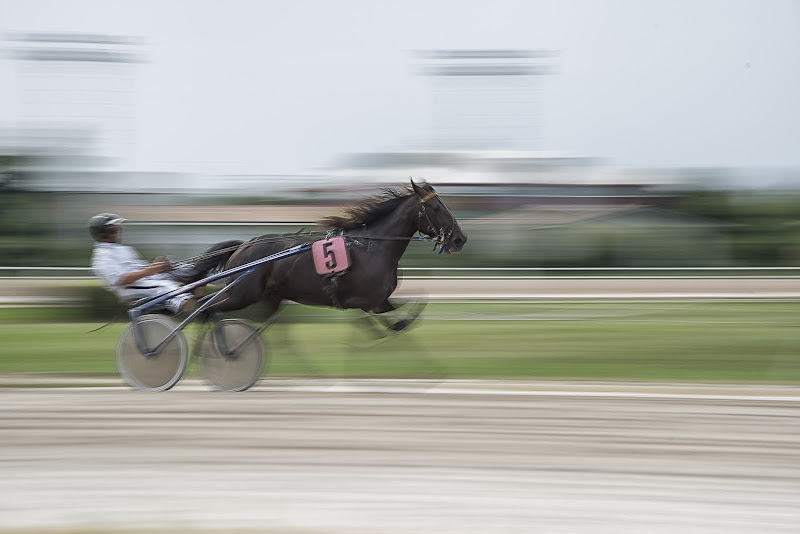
point(377, 233)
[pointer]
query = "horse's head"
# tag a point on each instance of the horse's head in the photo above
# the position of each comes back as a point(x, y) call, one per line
point(436, 221)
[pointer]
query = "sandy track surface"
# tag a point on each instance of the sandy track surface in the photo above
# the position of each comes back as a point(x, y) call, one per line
point(403, 457)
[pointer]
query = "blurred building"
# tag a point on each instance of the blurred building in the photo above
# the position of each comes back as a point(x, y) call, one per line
point(76, 101)
point(485, 99)
point(503, 179)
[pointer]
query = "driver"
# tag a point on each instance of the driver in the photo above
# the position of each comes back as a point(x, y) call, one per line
point(126, 274)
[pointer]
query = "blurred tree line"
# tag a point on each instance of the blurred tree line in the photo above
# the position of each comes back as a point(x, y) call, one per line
point(763, 228)
point(31, 232)
point(691, 228)
point(23, 230)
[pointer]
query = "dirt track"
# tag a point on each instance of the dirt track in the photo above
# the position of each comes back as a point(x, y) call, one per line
point(373, 457)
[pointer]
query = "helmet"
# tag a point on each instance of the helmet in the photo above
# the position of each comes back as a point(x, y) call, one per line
point(98, 225)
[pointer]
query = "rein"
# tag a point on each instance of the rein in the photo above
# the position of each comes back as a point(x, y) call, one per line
point(200, 257)
point(442, 235)
point(262, 239)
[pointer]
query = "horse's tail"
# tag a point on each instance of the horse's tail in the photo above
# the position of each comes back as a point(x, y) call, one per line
point(209, 262)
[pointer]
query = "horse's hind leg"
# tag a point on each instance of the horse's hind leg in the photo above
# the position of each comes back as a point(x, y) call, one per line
point(271, 305)
point(237, 297)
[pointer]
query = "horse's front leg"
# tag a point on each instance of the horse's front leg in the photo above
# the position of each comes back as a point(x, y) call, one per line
point(383, 307)
point(396, 324)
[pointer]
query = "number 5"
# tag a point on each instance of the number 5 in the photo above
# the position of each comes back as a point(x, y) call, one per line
point(331, 262)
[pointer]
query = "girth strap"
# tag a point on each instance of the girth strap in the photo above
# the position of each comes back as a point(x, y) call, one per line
point(335, 292)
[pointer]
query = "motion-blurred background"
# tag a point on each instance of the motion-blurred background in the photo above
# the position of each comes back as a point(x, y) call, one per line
point(562, 134)
point(652, 137)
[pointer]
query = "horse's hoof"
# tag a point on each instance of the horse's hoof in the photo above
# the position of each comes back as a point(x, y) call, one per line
point(399, 325)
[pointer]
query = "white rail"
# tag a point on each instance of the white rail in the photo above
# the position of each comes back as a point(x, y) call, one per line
point(39, 272)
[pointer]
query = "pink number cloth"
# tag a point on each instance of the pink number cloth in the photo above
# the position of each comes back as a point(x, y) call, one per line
point(330, 255)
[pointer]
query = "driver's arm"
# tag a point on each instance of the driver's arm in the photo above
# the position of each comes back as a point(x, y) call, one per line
point(153, 268)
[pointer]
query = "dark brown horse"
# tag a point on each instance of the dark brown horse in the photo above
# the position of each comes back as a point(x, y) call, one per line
point(376, 232)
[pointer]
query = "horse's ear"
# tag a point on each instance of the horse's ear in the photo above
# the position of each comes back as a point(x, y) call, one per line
point(417, 189)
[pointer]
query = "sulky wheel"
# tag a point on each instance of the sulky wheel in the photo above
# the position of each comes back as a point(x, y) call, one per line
point(231, 355)
point(152, 372)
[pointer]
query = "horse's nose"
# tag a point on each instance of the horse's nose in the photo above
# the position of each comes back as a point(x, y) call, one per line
point(459, 240)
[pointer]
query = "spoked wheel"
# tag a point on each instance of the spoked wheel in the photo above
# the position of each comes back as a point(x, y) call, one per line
point(231, 355)
point(159, 371)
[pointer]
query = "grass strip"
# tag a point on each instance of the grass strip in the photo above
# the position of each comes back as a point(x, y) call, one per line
point(745, 341)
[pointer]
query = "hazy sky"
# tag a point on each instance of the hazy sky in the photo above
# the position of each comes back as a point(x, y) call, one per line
point(285, 86)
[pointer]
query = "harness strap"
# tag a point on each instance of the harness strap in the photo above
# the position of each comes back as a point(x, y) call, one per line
point(335, 292)
point(429, 196)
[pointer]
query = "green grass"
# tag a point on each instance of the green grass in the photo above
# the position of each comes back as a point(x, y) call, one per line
point(746, 341)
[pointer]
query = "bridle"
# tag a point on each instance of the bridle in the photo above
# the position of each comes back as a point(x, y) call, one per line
point(443, 233)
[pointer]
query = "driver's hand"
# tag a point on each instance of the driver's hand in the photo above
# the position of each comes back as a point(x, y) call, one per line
point(160, 266)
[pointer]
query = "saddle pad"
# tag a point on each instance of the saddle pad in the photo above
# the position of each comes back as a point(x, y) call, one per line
point(330, 255)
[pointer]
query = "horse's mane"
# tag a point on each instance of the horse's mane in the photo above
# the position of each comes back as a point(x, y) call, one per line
point(368, 211)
